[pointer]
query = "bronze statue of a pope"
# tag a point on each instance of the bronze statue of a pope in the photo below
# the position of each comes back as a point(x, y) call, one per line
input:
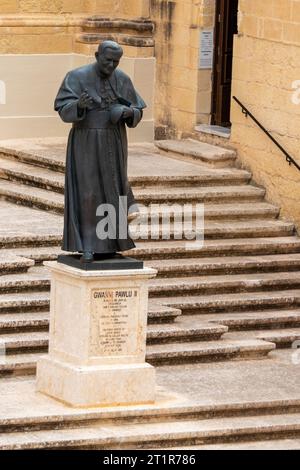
point(100, 101)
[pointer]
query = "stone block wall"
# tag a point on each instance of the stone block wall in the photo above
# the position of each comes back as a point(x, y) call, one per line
point(40, 40)
point(182, 91)
point(39, 26)
point(121, 8)
point(51, 26)
point(266, 78)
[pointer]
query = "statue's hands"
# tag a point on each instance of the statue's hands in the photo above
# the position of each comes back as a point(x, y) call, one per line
point(127, 113)
point(85, 101)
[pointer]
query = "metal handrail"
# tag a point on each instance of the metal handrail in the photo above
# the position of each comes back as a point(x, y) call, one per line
point(247, 113)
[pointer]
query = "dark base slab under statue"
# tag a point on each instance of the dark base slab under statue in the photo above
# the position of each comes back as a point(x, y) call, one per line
point(101, 262)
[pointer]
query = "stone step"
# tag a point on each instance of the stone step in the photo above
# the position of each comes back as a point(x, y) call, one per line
point(159, 319)
point(51, 179)
point(40, 301)
point(39, 253)
point(26, 244)
point(183, 330)
point(35, 279)
point(28, 342)
point(34, 320)
point(32, 175)
point(32, 197)
point(36, 301)
point(189, 286)
point(261, 319)
point(19, 364)
point(24, 322)
point(163, 213)
point(177, 353)
point(234, 302)
point(22, 302)
point(158, 313)
point(193, 150)
point(184, 267)
point(28, 331)
point(212, 230)
point(181, 264)
point(24, 344)
point(286, 338)
point(205, 177)
point(10, 263)
point(240, 211)
point(175, 249)
point(52, 201)
point(43, 248)
point(182, 433)
point(225, 265)
point(271, 444)
point(40, 199)
point(52, 159)
point(187, 327)
point(219, 194)
point(169, 281)
point(168, 407)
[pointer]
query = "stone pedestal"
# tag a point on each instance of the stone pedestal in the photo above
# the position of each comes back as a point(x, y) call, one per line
point(97, 348)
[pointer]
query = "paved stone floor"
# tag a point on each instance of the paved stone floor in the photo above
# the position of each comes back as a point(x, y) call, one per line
point(273, 378)
point(143, 158)
point(203, 384)
point(53, 147)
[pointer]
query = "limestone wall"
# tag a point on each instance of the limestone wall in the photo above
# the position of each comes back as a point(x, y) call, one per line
point(40, 26)
point(120, 8)
point(59, 27)
point(267, 80)
point(182, 91)
point(51, 26)
point(40, 41)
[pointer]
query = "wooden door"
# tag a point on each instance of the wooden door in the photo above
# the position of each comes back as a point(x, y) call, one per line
point(225, 27)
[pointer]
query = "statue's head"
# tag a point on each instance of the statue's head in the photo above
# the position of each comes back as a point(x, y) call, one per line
point(108, 57)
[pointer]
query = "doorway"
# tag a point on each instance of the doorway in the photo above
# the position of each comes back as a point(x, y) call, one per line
point(226, 26)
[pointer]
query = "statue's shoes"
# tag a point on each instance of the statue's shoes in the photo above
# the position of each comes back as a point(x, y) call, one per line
point(87, 257)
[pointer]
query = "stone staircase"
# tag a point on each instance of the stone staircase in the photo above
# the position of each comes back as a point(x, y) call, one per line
point(237, 297)
point(185, 431)
point(33, 421)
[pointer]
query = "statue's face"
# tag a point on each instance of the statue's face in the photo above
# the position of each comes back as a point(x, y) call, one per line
point(108, 61)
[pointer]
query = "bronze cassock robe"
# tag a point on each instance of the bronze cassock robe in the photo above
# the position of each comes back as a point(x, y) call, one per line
point(96, 166)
